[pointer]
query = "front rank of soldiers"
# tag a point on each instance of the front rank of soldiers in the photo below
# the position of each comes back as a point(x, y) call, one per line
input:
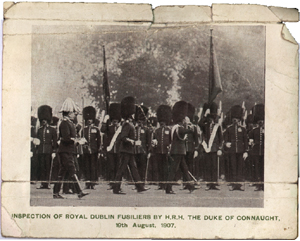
point(146, 149)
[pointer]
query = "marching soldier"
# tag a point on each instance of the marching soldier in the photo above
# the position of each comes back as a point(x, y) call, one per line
point(161, 144)
point(178, 148)
point(236, 142)
point(127, 144)
point(66, 149)
point(257, 141)
point(142, 138)
point(212, 145)
point(91, 149)
point(48, 144)
point(109, 127)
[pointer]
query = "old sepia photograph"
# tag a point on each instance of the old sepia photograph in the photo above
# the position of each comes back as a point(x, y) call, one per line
point(132, 121)
point(148, 117)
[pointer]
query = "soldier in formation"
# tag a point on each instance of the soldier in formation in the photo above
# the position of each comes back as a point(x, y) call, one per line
point(152, 150)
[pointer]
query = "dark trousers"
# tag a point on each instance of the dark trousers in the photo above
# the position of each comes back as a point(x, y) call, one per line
point(141, 162)
point(112, 164)
point(67, 164)
point(258, 162)
point(90, 161)
point(178, 162)
point(127, 159)
point(163, 168)
point(236, 167)
point(189, 159)
point(44, 168)
point(211, 168)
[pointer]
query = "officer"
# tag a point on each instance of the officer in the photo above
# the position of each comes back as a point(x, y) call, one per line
point(142, 138)
point(161, 144)
point(33, 151)
point(109, 127)
point(192, 143)
point(236, 142)
point(127, 144)
point(212, 145)
point(66, 149)
point(257, 142)
point(92, 147)
point(178, 148)
point(48, 144)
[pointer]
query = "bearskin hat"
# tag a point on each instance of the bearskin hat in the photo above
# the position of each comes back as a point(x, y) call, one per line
point(213, 107)
point(127, 107)
point(179, 111)
point(258, 112)
point(164, 114)
point(89, 113)
point(153, 121)
point(191, 112)
point(114, 111)
point(141, 112)
point(54, 121)
point(236, 112)
point(45, 113)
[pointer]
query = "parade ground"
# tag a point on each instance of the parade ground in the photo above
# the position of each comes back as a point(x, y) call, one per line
point(153, 197)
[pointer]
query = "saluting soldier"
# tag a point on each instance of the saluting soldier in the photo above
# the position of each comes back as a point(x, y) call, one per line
point(257, 142)
point(212, 145)
point(192, 143)
point(236, 142)
point(47, 146)
point(178, 147)
point(161, 144)
point(142, 138)
point(92, 147)
point(127, 144)
point(66, 149)
point(109, 127)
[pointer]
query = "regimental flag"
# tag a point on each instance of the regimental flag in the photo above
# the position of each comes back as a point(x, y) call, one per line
point(105, 83)
point(215, 84)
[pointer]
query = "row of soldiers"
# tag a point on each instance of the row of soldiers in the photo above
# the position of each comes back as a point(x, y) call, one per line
point(161, 149)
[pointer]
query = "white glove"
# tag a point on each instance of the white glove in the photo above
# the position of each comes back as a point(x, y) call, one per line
point(195, 154)
point(219, 153)
point(154, 142)
point(31, 154)
point(53, 155)
point(36, 141)
point(245, 155)
point(106, 118)
point(228, 144)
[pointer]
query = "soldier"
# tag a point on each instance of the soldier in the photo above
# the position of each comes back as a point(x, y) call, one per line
point(249, 168)
point(127, 144)
point(161, 144)
point(236, 142)
point(142, 138)
point(257, 141)
point(212, 145)
point(178, 148)
point(91, 149)
point(66, 149)
point(192, 143)
point(109, 127)
point(48, 144)
point(152, 172)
